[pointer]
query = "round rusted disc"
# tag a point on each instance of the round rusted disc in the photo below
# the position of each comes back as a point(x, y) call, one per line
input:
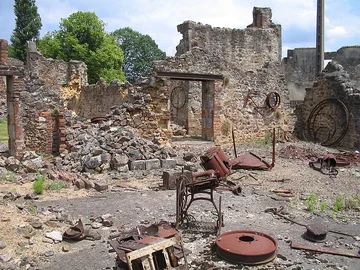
point(98, 119)
point(246, 247)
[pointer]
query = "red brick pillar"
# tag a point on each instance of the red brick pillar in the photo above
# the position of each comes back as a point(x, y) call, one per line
point(3, 50)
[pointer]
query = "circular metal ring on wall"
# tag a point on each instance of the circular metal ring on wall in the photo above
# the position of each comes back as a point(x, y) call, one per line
point(273, 100)
point(246, 247)
point(325, 118)
point(178, 97)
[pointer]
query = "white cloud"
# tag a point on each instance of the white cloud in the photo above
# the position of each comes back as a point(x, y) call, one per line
point(337, 32)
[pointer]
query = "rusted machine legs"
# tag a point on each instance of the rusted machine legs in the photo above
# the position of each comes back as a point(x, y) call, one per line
point(188, 192)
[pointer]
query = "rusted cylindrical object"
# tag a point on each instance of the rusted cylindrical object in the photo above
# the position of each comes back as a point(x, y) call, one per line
point(214, 162)
point(218, 150)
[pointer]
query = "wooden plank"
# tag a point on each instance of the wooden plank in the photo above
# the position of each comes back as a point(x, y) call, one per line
point(149, 250)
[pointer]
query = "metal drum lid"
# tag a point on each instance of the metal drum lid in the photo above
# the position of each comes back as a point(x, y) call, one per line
point(246, 247)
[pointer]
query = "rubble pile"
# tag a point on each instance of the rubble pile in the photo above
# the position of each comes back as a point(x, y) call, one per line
point(106, 144)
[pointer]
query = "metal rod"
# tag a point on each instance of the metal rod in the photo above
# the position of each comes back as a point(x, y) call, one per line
point(273, 149)
point(335, 251)
point(233, 138)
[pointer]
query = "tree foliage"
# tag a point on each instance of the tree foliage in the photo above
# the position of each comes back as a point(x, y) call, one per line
point(139, 52)
point(27, 27)
point(82, 37)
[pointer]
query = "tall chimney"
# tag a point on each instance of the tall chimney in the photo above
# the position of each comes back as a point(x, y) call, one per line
point(320, 36)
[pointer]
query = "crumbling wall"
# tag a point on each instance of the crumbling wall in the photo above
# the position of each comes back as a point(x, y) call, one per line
point(140, 106)
point(341, 97)
point(300, 67)
point(249, 60)
point(349, 58)
point(43, 117)
point(53, 71)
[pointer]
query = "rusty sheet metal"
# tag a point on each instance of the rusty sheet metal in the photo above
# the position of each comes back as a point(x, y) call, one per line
point(249, 161)
point(246, 247)
point(75, 232)
point(335, 251)
point(252, 161)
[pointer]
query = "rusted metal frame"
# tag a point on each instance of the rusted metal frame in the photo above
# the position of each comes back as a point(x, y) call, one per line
point(145, 253)
point(334, 251)
point(192, 189)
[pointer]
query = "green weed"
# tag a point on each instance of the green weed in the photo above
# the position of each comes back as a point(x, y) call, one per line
point(323, 206)
point(56, 185)
point(338, 204)
point(311, 202)
point(38, 185)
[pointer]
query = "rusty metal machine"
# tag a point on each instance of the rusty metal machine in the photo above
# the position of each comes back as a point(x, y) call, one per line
point(192, 187)
point(217, 166)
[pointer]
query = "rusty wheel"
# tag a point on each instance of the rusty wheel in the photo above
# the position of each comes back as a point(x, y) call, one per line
point(182, 199)
point(246, 247)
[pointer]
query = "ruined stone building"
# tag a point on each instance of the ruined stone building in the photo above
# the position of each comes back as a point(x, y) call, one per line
point(300, 67)
point(327, 105)
point(220, 80)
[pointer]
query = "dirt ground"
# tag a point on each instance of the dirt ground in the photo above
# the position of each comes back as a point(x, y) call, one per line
point(137, 198)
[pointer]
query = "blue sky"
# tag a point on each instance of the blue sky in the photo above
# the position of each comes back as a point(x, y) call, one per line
point(159, 18)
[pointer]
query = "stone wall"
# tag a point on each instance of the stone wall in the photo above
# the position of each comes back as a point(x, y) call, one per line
point(2, 96)
point(249, 61)
point(349, 58)
point(140, 106)
point(300, 67)
point(42, 111)
point(52, 71)
point(327, 104)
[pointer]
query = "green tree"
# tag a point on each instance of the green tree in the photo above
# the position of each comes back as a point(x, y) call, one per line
point(139, 52)
point(27, 27)
point(82, 37)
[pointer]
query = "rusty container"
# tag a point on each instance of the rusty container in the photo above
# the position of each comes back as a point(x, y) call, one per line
point(213, 161)
point(221, 154)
